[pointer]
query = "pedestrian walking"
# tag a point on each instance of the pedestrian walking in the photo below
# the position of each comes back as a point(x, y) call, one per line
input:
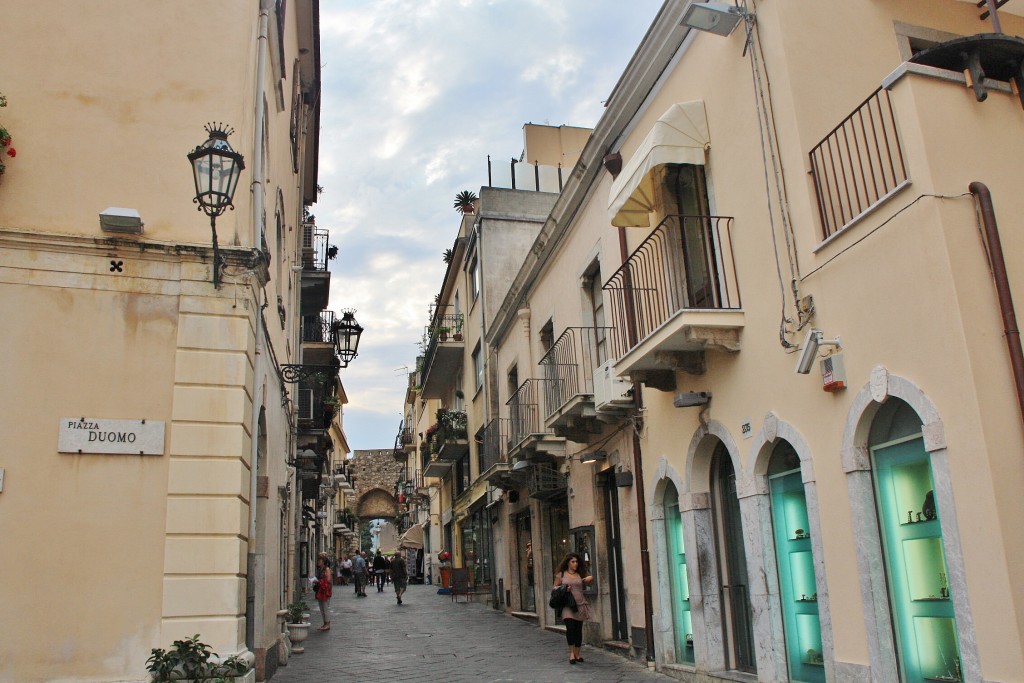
point(359, 574)
point(573, 573)
point(380, 566)
point(399, 576)
point(346, 569)
point(324, 590)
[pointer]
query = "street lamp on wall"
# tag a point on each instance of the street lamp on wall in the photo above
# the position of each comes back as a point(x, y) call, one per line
point(346, 336)
point(216, 168)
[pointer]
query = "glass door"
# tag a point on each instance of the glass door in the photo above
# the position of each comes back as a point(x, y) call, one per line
point(915, 562)
point(737, 623)
point(797, 585)
point(524, 547)
point(680, 587)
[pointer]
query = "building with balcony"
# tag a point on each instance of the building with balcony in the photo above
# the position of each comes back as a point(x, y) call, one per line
point(156, 413)
point(770, 316)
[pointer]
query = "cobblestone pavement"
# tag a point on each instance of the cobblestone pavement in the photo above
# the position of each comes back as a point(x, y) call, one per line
point(428, 638)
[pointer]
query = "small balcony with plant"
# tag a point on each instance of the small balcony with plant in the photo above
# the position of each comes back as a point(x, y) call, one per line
point(444, 349)
point(447, 437)
point(676, 297)
point(495, 466)
point(431, 465)
point(318, 339)
point(528, 437)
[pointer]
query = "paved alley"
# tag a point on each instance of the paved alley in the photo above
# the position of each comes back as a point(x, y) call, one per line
point(431, 639)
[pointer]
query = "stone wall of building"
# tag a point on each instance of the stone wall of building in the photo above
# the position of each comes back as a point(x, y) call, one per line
point(376, 472)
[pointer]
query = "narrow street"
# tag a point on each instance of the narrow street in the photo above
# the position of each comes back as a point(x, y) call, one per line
point(431, 638)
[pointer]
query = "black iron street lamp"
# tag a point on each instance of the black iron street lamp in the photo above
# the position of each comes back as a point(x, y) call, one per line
point(216, 168)
point(345, 337)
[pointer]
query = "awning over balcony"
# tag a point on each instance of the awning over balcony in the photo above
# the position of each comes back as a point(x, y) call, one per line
point(680, 136)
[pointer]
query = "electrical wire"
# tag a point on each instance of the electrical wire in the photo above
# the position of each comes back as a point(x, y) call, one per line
point(881, 225)
point(768, 144)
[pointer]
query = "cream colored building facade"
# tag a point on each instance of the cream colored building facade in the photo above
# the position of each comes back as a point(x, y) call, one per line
point(134, 550)
point(820, 189)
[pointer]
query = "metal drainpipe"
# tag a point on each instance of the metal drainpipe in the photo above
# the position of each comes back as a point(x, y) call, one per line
point(998, 265)
point(641, 505)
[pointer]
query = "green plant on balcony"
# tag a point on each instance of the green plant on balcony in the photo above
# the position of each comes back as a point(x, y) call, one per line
point(452, 424)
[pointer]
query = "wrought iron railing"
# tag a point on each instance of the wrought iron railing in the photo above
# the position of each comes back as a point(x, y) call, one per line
point(568, 366)
point(525, 410)
point(494, 449)
point(858, 164)
point(318, 329)
point(685, 263)
point(444, 327)
point(546, 481)
point(314, 247)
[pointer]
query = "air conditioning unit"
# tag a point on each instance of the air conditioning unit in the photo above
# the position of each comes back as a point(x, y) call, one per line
point(609, 391)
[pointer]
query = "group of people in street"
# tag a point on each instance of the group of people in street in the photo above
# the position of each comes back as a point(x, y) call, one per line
point(361, 571)
point(571, 573)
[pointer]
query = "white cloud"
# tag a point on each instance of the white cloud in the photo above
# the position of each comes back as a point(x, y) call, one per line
point(416, 95)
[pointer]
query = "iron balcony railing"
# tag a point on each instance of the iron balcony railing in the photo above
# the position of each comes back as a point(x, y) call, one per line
point(318, 328)
point(494, 449)
point(685, 263)
point(444, 327)
point(525, 412)
point(314, 247)
point(568, 366)
point(522, 175)
point(858, 164)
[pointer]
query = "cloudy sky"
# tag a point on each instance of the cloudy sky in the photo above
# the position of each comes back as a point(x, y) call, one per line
point(415, 96)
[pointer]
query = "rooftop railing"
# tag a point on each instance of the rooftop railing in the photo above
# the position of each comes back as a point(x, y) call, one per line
point(523, 175)
point(858, 164)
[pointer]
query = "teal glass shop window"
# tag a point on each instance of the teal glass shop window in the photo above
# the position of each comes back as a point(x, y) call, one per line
point(680, 586)
point(915, 560)
point(797, 586)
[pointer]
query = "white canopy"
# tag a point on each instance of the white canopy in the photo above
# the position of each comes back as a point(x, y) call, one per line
point(680, 136)
point(412, 538)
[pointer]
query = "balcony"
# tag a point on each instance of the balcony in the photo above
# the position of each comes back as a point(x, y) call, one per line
point(495, 466)
point(569, 369)
point(528, 438)
point(675, 297)
point(858, 165)
point(431, 465)
point(443, 356)
point(318, 338)
point(316, 279)
point(404, 434)
point(546, 482)
point(447, 437)
point(344, 522)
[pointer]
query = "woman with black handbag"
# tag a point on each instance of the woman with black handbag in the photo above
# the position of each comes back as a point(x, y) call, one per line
point(571, 573)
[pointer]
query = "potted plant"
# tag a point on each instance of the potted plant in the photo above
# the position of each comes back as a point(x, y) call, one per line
point(192, 660)
point(465, 202)
point(442, 333)
point(298, 628)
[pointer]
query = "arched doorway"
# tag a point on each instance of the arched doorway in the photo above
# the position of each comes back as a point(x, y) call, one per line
point(679, 585)
point(731, 558)
point(908, 518)
point(798, 588)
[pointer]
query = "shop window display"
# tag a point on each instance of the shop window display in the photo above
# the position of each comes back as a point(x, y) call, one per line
point(909, 520)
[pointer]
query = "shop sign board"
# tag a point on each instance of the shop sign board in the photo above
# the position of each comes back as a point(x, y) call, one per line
point(96, 435)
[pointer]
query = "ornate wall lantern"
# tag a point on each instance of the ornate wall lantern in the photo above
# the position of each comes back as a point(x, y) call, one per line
point(216, 168)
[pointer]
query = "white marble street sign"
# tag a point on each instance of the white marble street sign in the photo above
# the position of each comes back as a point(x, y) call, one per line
point(95, 435)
